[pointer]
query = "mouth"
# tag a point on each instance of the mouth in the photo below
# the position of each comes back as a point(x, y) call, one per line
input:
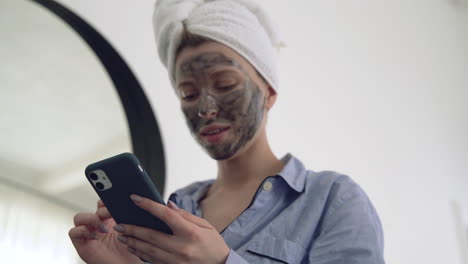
point(214, 133)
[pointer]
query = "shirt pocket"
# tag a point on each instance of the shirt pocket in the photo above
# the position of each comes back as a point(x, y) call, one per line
point(270, 249)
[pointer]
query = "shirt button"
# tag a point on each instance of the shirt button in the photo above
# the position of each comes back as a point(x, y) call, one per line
point(267, 186)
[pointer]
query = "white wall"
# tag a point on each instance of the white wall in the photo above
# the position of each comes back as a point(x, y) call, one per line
point(34, 230)
point(374, 89)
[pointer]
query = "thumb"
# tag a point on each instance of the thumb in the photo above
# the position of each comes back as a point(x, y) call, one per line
point(190, 217)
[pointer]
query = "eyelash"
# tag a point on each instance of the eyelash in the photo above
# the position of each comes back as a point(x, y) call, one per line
point(225, 87)
point(190, 97)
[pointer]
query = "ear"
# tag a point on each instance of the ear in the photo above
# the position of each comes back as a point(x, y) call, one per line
point(270, 97)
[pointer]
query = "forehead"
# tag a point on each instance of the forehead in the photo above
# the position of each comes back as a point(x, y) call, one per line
point(206, 55)
point(206, 61)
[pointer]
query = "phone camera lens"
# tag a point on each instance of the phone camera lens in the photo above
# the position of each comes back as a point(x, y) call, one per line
point(100, 186)
point(93, 176)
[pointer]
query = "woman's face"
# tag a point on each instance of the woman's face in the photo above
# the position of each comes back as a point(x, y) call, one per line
point(221, 98)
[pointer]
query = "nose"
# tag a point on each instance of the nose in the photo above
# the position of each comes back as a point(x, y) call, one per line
point(208, 109)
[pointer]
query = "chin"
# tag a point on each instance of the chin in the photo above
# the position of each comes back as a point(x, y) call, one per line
point(219, 156)
point(222, 152)
point(225, 154)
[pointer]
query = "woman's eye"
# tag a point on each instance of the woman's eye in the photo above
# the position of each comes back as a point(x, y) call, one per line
point(189, 96)
point(225, 87)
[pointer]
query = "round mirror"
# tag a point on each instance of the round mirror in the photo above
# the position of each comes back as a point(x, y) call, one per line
point(61, 110)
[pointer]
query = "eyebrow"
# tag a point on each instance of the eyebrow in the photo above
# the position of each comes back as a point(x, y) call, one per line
point(185, 83)
point(213, 73)
point(219, 72)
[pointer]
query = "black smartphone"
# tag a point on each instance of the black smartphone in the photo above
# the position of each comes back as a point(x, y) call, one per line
point(114, 179)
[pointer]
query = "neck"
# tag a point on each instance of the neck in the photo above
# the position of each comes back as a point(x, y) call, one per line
point(249, 168)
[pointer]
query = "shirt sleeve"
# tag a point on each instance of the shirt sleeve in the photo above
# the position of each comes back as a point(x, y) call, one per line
point(234, 258)
point(351, 232)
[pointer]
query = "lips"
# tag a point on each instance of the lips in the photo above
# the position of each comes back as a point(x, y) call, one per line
point(214, 133)
point(210, 130)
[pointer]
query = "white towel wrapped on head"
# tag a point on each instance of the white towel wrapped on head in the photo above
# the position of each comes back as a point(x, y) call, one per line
point(241, 25)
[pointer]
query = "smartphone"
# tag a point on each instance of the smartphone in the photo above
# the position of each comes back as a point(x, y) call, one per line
point(114, 179)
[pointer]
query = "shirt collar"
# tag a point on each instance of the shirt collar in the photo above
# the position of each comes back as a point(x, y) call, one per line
point(293, 173)
point(202, 191)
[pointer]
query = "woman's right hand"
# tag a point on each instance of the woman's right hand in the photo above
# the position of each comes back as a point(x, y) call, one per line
point(96, 241)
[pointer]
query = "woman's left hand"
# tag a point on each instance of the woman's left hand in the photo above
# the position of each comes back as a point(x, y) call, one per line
point(194, 239)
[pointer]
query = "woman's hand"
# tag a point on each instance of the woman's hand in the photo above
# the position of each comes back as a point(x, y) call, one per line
point(95, 240)
point(194, 239)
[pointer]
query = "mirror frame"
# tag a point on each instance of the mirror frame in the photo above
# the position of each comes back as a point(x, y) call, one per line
point(144, 130)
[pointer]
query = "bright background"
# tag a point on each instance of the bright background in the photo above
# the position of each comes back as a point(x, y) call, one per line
point(373, 89)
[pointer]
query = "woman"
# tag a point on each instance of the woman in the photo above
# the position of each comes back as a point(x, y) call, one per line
point(220, 57)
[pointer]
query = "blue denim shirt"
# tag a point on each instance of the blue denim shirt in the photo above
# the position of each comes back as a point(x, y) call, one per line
point(299, 216)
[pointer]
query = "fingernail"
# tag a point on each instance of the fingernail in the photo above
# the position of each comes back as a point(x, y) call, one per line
point(118, 228)
point(173, 205)
point(136, 198)
point(93, 236)
point(103, 228)
point(131, 250)
point(122, 239)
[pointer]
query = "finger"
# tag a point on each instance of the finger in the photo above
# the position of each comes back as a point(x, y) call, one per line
point(169, 216)
point(103, 213)
point(153, 237)
point(190, 217)
point(91, 221)
point(81, 232)
point(86, 219)
point(100, 203)
point(147, 251)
